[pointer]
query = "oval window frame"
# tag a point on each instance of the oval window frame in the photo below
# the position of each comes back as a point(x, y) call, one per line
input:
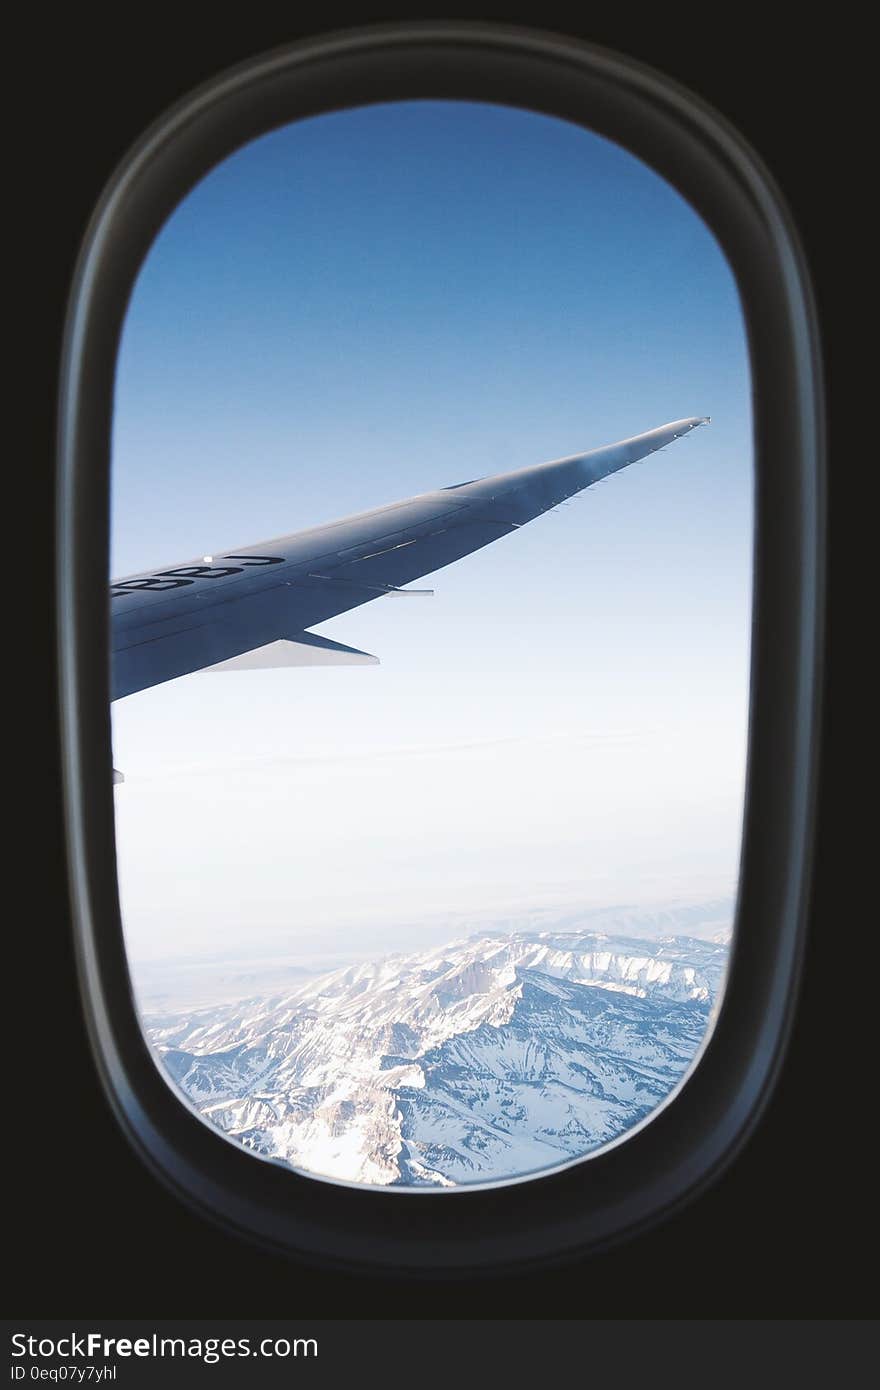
point(560, 1214)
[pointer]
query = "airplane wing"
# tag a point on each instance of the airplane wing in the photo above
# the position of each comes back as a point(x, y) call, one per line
point(252, 606)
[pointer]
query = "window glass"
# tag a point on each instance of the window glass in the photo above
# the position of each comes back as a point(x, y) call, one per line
point(460, 915)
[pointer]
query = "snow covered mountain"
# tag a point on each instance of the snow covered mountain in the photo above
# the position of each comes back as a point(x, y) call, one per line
point(488, 1059)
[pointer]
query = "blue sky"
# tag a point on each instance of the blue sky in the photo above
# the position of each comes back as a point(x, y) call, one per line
point(372, 304)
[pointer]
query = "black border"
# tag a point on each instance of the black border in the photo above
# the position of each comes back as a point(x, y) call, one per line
point(557, 1216)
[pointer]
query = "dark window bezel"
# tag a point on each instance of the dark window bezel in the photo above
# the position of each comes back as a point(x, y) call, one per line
point(559, 1215)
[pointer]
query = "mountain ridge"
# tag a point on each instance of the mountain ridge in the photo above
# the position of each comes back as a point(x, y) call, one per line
point(479, 1061)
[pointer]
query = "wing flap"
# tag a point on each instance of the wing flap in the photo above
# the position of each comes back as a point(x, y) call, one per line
point(307, 649)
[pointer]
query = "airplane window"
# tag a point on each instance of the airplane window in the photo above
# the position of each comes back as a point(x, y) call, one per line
point(434, 894)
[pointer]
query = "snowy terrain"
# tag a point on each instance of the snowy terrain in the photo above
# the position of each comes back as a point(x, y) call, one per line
point(487, 1059)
